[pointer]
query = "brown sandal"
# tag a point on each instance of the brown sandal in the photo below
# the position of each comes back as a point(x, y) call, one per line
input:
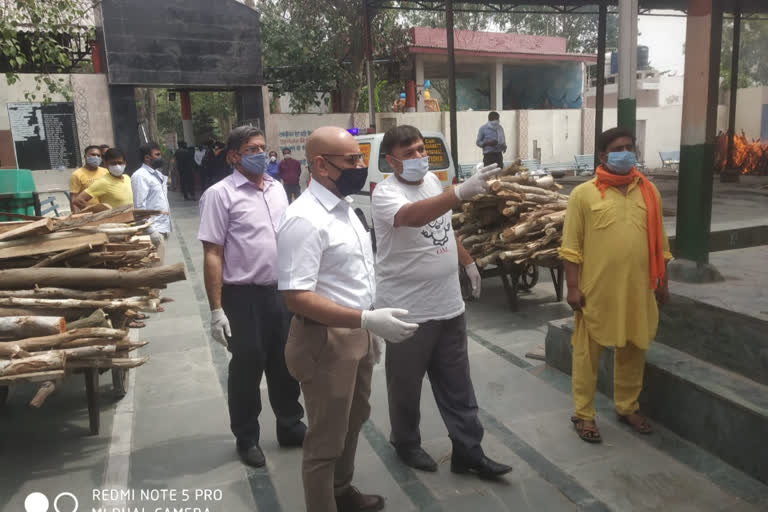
point(135, 324)
point(642, 426)
point(586, 432)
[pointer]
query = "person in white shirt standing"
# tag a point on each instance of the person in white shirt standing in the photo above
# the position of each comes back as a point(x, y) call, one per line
point(150, 192)
point(417, 269)
point(326, 273)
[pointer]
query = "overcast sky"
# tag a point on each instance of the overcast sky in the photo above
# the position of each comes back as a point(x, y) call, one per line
point(664, 36)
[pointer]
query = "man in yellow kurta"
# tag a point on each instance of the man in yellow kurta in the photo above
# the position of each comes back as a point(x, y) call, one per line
point(615, 251)
point(84, 177)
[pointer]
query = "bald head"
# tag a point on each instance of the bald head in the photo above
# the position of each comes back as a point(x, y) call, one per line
point(330, 140)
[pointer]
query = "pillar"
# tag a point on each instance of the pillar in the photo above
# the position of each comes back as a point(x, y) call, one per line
point(419, 65)
point(410, 96)
point(125, 123)
point(697, 149)
point(602, 22)
point(452, 82)
point(186, 118)
point(627, 111)
point(734, 92)
point(250, 106)
point(497, 86)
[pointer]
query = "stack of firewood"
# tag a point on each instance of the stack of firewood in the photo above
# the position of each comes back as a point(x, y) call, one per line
point(519, 220)
point(68, 287)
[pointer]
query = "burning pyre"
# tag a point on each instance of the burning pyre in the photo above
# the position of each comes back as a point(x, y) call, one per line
point(749, 157)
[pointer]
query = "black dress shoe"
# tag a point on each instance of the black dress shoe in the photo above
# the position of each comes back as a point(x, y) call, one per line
point(293, 437)
point(252, 456)
point(417, 458)
point(483, 467)
point(355, 501)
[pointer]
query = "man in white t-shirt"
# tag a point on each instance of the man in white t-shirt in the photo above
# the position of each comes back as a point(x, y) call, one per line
point(417, 268)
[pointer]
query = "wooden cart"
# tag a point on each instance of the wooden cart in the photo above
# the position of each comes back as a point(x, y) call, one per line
point(518, 277)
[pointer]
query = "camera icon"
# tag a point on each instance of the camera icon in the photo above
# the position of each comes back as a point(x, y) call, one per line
point(38, 502)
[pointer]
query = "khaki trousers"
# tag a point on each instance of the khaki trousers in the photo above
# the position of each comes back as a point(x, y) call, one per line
point(628, 368)
point(334, 367)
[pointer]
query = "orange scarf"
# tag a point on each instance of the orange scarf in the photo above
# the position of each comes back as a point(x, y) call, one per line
point(656, 263)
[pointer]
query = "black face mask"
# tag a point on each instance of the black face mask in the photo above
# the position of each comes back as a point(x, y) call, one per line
point(157, 163)
point(351, 181)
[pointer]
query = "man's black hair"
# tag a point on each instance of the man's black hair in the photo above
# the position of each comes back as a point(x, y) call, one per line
point(240, 136)
point(92, 146)
point(147, 148)
point(182, 144)
point(611, 135)
point(493, 116)
point(398, 136)
point(113, 154)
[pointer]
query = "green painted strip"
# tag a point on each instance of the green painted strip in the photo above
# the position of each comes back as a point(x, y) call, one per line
point(406, 478)
point(694, 202)
point(627, 114)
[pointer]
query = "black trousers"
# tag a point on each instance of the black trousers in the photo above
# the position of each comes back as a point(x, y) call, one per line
point(187, 183)
point(439, 349)
point(292, 191)
point(259, 322)
point(493, 158)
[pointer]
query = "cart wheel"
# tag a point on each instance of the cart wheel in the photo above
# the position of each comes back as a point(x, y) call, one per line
point(529, 276)
point(3, 395)
point(120, 381)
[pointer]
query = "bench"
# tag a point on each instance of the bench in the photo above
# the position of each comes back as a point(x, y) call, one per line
point(585, 164)
point(669, 159)
point(531, 165)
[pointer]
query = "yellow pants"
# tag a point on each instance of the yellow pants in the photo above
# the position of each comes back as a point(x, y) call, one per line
point(628, 367)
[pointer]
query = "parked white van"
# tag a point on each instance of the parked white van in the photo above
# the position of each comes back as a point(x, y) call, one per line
point(440, 163)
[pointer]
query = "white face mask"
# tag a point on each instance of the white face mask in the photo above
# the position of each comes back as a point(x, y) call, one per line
point(494, 123)
point(116, 170)
point(415, 169)
point(273, 159)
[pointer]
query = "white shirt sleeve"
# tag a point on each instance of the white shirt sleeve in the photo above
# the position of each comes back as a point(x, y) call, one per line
point(386, 201)
point(140, 191)
point(299, 250)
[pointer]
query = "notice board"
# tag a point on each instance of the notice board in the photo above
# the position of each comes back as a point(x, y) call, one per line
point(44, 135)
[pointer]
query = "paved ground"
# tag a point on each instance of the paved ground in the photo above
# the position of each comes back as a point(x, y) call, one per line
point(171, 431)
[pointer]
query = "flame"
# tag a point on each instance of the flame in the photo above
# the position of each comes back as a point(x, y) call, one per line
point(749, 157)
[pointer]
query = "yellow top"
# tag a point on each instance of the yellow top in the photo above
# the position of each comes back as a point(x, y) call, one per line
point(83, 178)
point(112, 191)
point(608, 238)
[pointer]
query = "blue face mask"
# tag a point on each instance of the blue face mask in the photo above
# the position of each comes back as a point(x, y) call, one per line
point(255, 163)
point(621, 162)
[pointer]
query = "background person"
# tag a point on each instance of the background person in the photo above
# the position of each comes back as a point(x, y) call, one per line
point(150, 192)
point(273, 165)
point(290, 172)
point(491, 139)
point(83, 177)
point(113, 189)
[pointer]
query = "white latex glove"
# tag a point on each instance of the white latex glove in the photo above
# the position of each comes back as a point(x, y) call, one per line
point(384, 322)
point(477, 183)
point(220, 326)
point(474, 279)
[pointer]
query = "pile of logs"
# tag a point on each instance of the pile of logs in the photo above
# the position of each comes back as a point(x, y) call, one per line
point(519, 220)
point(68, 287)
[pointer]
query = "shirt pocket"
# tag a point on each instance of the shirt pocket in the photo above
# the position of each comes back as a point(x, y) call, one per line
point(639, 216)
point(603, 214)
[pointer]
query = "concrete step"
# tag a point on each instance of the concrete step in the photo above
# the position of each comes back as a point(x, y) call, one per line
point(716, 409)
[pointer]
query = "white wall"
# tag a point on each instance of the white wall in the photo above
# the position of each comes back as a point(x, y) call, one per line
point(557, 134)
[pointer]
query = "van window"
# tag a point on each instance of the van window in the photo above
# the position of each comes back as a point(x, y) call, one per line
point(438, 155)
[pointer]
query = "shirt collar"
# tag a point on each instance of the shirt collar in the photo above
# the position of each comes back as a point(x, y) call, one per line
point(328, 199)
point(241, 180)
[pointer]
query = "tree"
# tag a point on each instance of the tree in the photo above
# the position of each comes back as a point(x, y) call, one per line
point(316, 47)
point(34, 37)
point(753, 66)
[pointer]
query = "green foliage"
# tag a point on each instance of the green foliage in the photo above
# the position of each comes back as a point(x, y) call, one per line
point(384, 93)
point(211, 114)
point(31, 37)
point(753, 66)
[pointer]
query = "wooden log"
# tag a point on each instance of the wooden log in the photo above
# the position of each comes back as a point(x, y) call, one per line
point(70, 293)
point(33, 377)
point(96, 319)
point(13, 224)
point(94, 219)
point(115, 256)
point(139, 303)
point(48, 244)
point(117, 229)
point(91, 342)
point(91, 279)
point(88, 351)
point(545, 181)
point(47, 361)
point(96, 208)
point(488, 260)
point(27, 326)
point(36, 228)
point(114, 362)
point(46, 388)
point(7, 348)
point(63, 256)
point(20, 216)
point(68, 314)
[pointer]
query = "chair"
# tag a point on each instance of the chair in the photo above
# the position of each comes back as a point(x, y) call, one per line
point(669, 159)
point(585, 164)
